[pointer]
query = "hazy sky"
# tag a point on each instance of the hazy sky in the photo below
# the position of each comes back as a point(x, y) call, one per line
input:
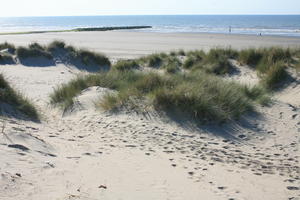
point(146, 7)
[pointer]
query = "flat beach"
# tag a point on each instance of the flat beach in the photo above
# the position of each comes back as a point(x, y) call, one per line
point(123, 44)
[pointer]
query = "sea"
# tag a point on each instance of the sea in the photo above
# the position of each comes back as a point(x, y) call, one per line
point(277, 25)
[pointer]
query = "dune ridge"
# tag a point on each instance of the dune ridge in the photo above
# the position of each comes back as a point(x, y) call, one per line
point(91, 154)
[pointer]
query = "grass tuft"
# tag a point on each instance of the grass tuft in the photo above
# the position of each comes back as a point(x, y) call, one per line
point(11, 48)
point(56, 44)
point(125, 65)
point(193, 58)
point(154, 60)
point(250, 57)
point(218, 66)
point(191, 88)
point(89, 58)
point(10, 96)
point(33, 50)
point(217, 53)
point(172, 65)
point(275, 75)
point(204, 97)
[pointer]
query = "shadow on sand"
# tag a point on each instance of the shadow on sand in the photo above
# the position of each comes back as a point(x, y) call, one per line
point(8, 111)
point(62, 56)
point(231, 130)
point(37, 62)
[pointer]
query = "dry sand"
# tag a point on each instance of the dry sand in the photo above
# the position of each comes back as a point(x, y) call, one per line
point(122, 44)
point(91, 155)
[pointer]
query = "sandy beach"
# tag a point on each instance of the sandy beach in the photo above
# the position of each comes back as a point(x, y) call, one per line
point(122, 44)
point(89, 154)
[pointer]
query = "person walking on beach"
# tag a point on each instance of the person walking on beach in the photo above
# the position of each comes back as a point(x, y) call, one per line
point(229, 29)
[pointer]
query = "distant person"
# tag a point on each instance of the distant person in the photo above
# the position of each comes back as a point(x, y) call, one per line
point(229, 29)
point(259, 34)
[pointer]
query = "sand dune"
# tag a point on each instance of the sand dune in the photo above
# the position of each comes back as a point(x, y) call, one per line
point(90, 154)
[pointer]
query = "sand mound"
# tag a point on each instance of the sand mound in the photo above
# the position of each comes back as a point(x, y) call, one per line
point(90, 154)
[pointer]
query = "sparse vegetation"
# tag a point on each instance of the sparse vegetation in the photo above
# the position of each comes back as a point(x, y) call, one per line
point(202, 96)
point(250, 57)
point(64, 94)
point(191, 84)
point(90, 58)
point(125, 65)
point(33, 50)
point(154, 60)
point(10, 47)
point(181, 52)
point(275, 75)
point(193, 58)
point(66, 53)
point(85, 56)
point(56, 44)
point(220, 66)
point(172, 65)
point(215, 54)
point(192, 88)
point(10, 96)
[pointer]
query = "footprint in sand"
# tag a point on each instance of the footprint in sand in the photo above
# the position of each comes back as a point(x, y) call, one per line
point(18, 146)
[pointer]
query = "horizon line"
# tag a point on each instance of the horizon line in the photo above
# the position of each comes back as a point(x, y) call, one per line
point(152, 15)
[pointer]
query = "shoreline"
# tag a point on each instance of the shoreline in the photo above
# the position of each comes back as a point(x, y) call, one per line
point(128, 28)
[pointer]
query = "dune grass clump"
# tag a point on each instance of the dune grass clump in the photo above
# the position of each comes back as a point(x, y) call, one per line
point(193, 58)
point(259, 58)
point(197, 93)
point(191, 61)
point(269, 64)
point(64, 94)
point(56, 44)
point(33, 50)
point(275, 75)
point(172, 65)
point(275, 54)
point(89, 57)
point(219, 66)
point(125, 65)
point(193, 88)
point(217, 53)
point(250, 57)
point(85, 56)
point(181, 52)
point(10, 47)
point(204, 97)
point(173, 53)
point(271, 57)
point(59, 50)
point(257, 93)
point(154, 60)
point(216, 61)
point(10, 96)
point(200, 95)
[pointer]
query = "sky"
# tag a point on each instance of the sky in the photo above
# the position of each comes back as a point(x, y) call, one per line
point(145, 7)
